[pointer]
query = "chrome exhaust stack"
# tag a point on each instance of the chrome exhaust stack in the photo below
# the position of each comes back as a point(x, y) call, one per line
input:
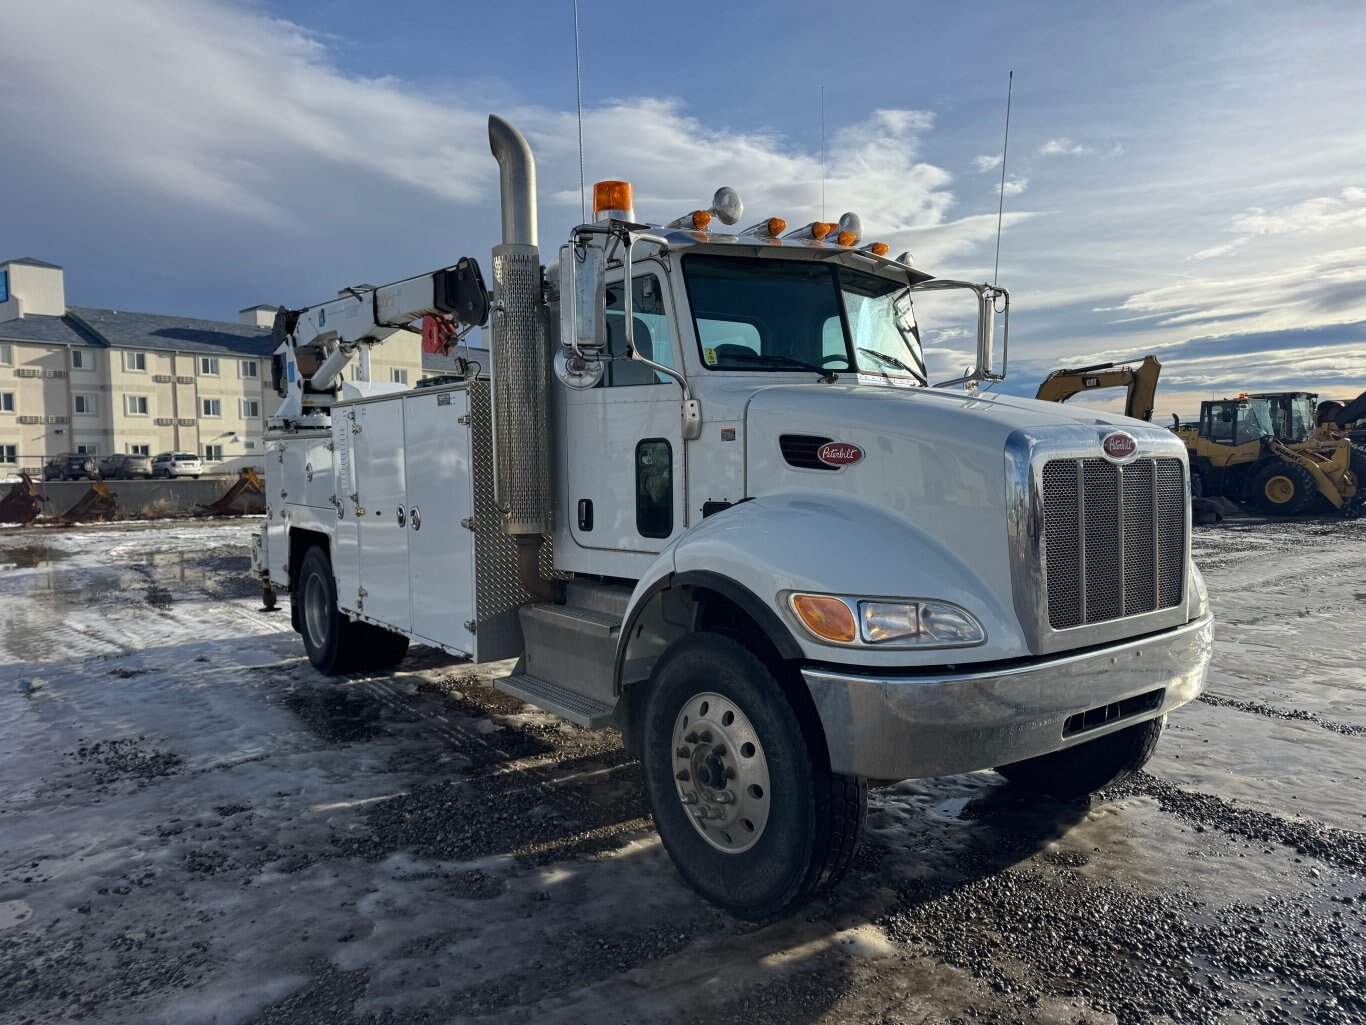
point(521, 362)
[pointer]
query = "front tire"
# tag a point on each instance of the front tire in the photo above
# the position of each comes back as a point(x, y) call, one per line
point(1084, 769)
point(753, 822)
point(333, 642)
point(1282, 488)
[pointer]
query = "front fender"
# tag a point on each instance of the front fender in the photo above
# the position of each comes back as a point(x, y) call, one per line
point(831, 543)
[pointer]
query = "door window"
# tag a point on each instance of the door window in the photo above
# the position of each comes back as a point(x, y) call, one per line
point(651, 334)
point(654, 488)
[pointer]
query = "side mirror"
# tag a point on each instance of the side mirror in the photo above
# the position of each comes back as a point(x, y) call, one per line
point(583, 297)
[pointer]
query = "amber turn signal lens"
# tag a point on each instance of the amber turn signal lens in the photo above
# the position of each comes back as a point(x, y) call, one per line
point(819, 230)
point(776, 226)
point(826, 617)
point(846, 238)
point(700, 219)
point(612, 196)
point(878, 248)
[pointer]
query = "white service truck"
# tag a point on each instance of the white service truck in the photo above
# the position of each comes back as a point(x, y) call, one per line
point(699, 484)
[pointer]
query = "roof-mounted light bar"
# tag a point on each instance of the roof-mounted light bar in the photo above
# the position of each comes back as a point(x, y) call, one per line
point(613, 201)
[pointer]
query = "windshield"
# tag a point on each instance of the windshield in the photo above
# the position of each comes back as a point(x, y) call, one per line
point(784, 315)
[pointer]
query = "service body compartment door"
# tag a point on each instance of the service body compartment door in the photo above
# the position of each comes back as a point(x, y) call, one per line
point(440, 549)
point(381, 514)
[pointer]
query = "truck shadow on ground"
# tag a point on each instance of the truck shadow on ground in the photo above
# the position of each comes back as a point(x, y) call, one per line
point(553, 800)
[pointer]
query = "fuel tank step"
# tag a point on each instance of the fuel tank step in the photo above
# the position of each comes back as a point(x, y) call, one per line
point(567, 704)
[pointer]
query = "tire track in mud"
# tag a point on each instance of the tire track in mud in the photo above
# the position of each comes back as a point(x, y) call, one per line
point(1341, 847)
point(1285, 714)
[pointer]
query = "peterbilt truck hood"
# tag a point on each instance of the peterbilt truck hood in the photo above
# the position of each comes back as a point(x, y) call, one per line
point(935, 460)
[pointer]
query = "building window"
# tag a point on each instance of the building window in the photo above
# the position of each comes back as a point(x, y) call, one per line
point(211, 407)
point(250, 368)
point(87, 450)
point(398, 375)
point(9, 454)
point(85, 405)
point(139, 450)
point(6, 402)
point(248, 444)
point(137, 405)
point(251, 409)
point(208, 365)
point(6, 354)
point(82, 360)
point(135, 361)
point(213, 453)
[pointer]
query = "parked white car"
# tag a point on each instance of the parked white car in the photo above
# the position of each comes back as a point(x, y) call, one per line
point(177, 464)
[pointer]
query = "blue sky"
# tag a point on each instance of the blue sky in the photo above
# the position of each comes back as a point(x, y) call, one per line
point(1184, 178)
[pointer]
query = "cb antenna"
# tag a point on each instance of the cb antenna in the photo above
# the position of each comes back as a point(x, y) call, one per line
point(1001, 209)
point(822, 152)
point(578, 98)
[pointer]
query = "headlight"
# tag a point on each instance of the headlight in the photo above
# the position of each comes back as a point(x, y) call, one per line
point(1200, 594)
point(875, 622)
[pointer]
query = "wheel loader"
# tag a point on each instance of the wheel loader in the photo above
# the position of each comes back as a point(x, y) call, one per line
point(1277, 453)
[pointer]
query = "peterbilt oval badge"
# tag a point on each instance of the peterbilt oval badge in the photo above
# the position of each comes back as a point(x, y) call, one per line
point(1119, 445)
point(839, 453)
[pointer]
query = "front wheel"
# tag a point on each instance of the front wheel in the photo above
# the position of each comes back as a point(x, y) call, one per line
point(1086, 768)
point(1282, 488)
point(752, 821)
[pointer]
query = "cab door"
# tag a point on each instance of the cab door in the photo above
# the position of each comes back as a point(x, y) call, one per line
point(624, 456)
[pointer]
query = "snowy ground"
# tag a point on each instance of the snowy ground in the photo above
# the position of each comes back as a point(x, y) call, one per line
point(195, 827)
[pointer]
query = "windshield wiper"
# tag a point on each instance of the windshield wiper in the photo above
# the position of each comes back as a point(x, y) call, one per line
point(783, 361)
point(891, 361)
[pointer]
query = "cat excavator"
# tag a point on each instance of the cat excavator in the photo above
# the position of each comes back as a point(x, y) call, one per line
point(1139, 379)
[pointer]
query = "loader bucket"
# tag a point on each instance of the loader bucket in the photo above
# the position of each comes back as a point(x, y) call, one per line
point(22, 503)
point(234, 500)
point(98, 503)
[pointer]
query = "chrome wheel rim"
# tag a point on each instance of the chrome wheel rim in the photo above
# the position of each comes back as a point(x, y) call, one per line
point(721, 772)
point(316, 610)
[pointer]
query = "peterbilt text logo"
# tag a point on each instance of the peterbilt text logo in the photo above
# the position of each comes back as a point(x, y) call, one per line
point(1119, 446)
point(839, 453)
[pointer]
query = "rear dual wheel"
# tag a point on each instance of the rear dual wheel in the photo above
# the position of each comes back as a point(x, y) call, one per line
point(334, 643)
point(753, 821)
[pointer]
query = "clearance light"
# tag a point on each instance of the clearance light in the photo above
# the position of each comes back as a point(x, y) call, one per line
point(828, 618)
point(697, 220)
point(850, 224)
point(771, 228)
point(876, 248)
point(613, 201)
point(846, 238)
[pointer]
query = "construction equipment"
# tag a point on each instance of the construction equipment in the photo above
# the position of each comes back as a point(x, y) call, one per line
point(22, 502)
point(1267, 451)
point(234, 501)
point(98, 503)
point(697, 482)
point(1140, 381)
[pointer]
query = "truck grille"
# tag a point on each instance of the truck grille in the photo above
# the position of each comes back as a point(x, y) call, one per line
point(1114, 538)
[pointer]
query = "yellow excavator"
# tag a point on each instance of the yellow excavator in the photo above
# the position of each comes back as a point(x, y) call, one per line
point(1139, 379)
point(1277, 452)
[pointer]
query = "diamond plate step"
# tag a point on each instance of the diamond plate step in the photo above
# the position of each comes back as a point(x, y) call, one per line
point(568, 704)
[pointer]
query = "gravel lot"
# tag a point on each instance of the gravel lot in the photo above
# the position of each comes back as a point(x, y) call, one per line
point(196, 827)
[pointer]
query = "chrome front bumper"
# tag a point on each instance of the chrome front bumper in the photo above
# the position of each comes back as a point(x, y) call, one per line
point(906, 727)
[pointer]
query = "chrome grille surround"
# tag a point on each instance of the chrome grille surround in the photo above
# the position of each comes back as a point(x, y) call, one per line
point(1099, 547)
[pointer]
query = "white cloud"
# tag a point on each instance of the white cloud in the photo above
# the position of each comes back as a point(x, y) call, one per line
point(227, 122)
point(1214, 252)
point(1013, 186)
point(1063, 147)
point(1323, 213)
point(984, 164)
